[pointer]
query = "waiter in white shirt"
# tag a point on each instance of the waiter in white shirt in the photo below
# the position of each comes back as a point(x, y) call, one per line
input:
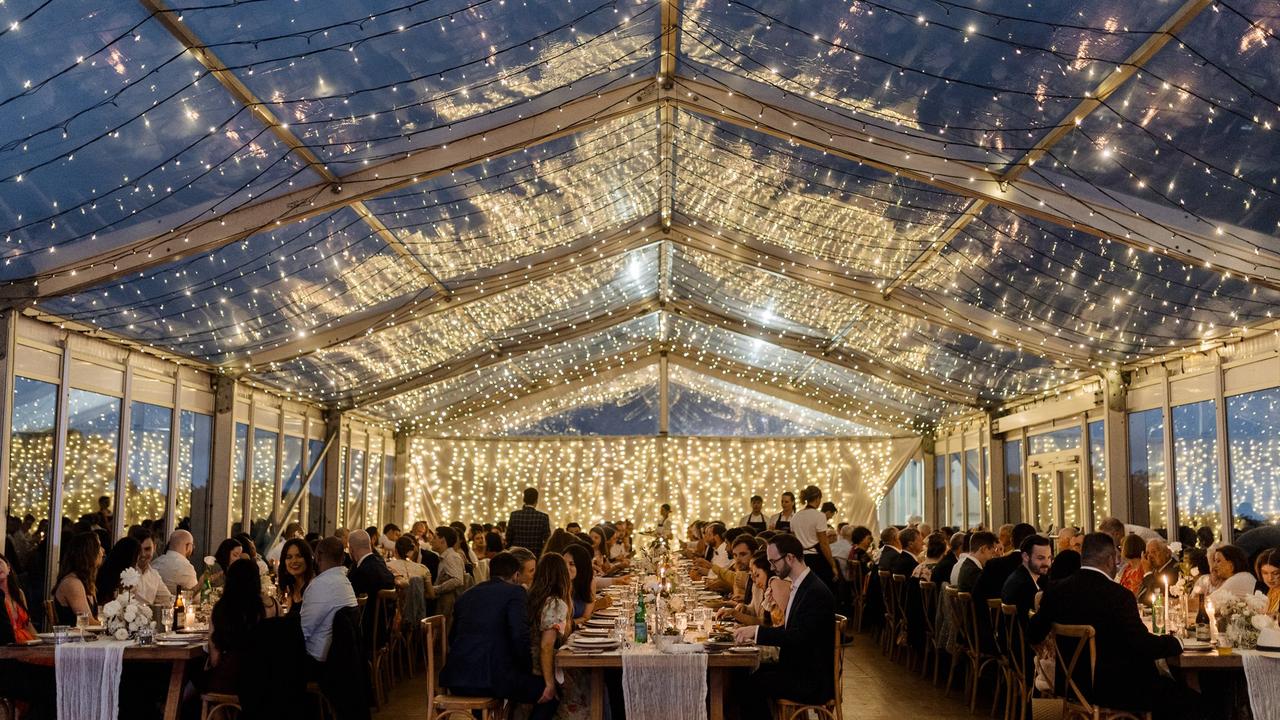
point(810, 528)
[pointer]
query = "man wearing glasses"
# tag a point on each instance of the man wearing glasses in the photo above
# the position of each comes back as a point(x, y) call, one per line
point(805, 669)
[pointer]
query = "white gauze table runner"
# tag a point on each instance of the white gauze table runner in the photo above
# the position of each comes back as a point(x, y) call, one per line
point(88, 679)
point(664, 687)
point(1263, 677)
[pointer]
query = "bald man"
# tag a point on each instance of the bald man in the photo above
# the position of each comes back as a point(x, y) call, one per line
point(174, 567)
point(369, 572)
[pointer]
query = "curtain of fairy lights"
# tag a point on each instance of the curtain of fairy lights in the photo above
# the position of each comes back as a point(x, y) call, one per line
point(587, 480)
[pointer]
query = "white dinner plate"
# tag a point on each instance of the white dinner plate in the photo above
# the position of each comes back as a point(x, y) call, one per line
point(743, 648)
point(587, 640)
point(1196, 645)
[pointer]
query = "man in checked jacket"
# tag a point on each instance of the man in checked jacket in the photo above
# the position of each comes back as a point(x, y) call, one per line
point(529, 527)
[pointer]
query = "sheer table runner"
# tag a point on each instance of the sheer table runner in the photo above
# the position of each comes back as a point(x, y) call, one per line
point(656, 686)
point(88, 679)
point(1262, 674)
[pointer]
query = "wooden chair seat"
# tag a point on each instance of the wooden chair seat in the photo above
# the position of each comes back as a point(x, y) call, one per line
point(219, 706)
point(463, 702)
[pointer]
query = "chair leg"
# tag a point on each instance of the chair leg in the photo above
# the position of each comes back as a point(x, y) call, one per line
point(951, 674)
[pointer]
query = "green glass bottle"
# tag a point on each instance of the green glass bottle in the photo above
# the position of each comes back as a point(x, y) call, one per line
point(642, 625)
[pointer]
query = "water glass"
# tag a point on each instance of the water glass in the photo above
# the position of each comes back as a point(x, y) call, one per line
point(147, 635)
point(682, 623)
point(82, 623)
point(166, 618)
point(61, 633)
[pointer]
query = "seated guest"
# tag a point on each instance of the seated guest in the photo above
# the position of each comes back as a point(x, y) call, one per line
point(489, 641)
point(1069, 538)
point(905, 562)
point(734, 579)
point(956, 546)
point(124, 555)
point(232, 625)
point(1132, 571)
point(297, 569)
point(582, 592)
point(15, 621)
point(30, 686)
point(1125, 675)
point(760, 609)
point(75, 592)
point(150, 586)
point(1023, 583)
point(860, 540)
point(1269, 573)
point(889, 548)
point(493, 544)
point(528, 565)
point(229, 551)
point(997, 570)
point(550, 607)
point(1065, 564)
point(404, 565)
point(328, 592)
point(804, 672)
point(452, 576)
point(935, 546)
point(982, 548)
point(1162, 564)
point(1231, 566)
point(291, 531)
point(840, 550)
point(601, 540)
point(369, 572)
point(249, 549)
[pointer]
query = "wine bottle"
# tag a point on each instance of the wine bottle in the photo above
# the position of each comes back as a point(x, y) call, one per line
point(179, 612)
point(1202, 624)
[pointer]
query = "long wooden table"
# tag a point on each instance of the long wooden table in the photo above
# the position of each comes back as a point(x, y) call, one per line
point(718, 665)
point(177, 657)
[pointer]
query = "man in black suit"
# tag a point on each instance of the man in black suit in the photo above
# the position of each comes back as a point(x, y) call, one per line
point(805, 671)
point(369, 572)
point(904, 563)
point(528, 527)
point(1021, 586)
point(890, 547)
point(489, 641)
point(1160, 557)
point(1126, 677)
point(982, 549)
point(991, 581)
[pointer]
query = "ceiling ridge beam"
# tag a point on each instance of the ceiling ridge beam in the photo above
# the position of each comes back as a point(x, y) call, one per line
point(847, 358)
point(1092, 101)
point(668, 63)
point(485, 357)
point(77, 268)
point(1145, 225)
point(170, 20)
point(952, 315)
point(419, 304)
point(835, 340)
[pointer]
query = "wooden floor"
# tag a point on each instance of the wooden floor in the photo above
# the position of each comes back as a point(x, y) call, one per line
point(874, 689)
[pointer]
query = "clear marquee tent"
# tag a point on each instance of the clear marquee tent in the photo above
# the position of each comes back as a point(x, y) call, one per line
point(389, 260)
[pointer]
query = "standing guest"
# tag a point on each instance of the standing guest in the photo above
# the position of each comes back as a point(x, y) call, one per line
point(1124, 676)
point(15, 621)
point(804, 672)
point(905, 562)
point(782, 521)
point(982, 548)
point(1022, 585)
point(756, 519)
point(662, 528)
point(890, 546)
point(174, 567)
point(369, 572)
point(75, 592)
point(489, 641)
point(329, 592)
point(124, 555)
point(1232, 568)
point(1132, 571)
point(297, 570)
point(549, 608)
point(810, 528)
point(404, 566)
point(1269, 573)
point(528, 527)
point(232, 625)
point(528, 565)
point(1162, 564)
point(453, 570)
point(150, 586)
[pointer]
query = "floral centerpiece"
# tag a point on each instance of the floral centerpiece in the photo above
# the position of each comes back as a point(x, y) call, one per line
point(127, 613)
point(1240, 619)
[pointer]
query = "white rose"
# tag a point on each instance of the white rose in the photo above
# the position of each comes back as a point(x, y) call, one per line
point(1175, 590)
point(1175, 548)
point(209, 560)
point(1195, 571)
point(111, 609)
point(122, 634)
point(129, 577)
point(130, 612)
point(1262, 622)
point(1257, 602)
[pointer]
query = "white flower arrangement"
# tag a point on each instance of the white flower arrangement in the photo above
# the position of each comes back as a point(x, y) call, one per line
point(1240, 619)
point(127, 613)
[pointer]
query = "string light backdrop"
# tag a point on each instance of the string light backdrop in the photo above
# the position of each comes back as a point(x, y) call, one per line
point(587, 480)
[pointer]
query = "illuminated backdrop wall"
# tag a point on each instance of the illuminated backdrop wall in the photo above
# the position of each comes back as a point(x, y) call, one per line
point(591, 479)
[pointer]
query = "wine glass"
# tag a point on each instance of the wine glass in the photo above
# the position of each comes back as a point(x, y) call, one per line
point(682, 623)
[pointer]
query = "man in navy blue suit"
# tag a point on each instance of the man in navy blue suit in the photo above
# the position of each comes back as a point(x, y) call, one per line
point(805, 671)
point(489, 647)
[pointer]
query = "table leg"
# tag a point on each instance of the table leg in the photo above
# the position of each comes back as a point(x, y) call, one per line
point(717, 694)
point(597, 693)
point(177, 675)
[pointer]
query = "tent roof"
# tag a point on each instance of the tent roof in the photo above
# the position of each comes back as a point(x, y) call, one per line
point(888, 211)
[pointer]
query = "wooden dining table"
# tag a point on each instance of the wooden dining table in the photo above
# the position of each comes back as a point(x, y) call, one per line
point(718, 666)
point(178, 658)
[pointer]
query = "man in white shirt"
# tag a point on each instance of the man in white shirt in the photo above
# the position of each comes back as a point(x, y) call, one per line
point(150, 587)
point(329, 592)
point(810, 528)
point(453, 570)
point(174, 567)
point(718, 551)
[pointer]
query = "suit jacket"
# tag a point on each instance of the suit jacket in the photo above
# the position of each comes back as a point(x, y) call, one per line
point(994, 574)
point(488, 640)
point(967, 580)
point(371, 575)
point(1152, 581)
point(806, 643)
point(1126, 675)
point(528, 528)
point(942, 571)
point(904, 564)
point(888, 554)
point(1020, 589)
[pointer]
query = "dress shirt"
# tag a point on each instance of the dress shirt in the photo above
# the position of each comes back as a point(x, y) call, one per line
point(720, 558)
point(329, 592)
point(662, 528)
point(453, 571)
point(955, 571)
point(176, 572)
point(408, 569)
point(807, 525)
point(151, 588)
point(795, 585)
point(1103, 573)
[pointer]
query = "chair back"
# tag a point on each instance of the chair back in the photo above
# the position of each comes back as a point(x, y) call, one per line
point(929, 604)
point(966, 619)
point(900, 598)
point(993, 625)
point(1069, 644)
point(434, 639)
point(50, 615)
point(838, 665)
point(886, 592)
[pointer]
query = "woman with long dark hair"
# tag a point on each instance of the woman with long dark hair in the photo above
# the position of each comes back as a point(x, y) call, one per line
point(229, 551)
point(75, 592)
point(15, 621)
point(581, 581)
point(234, 620)
point(297, 568)
point(550, 605)
point(124, 555)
